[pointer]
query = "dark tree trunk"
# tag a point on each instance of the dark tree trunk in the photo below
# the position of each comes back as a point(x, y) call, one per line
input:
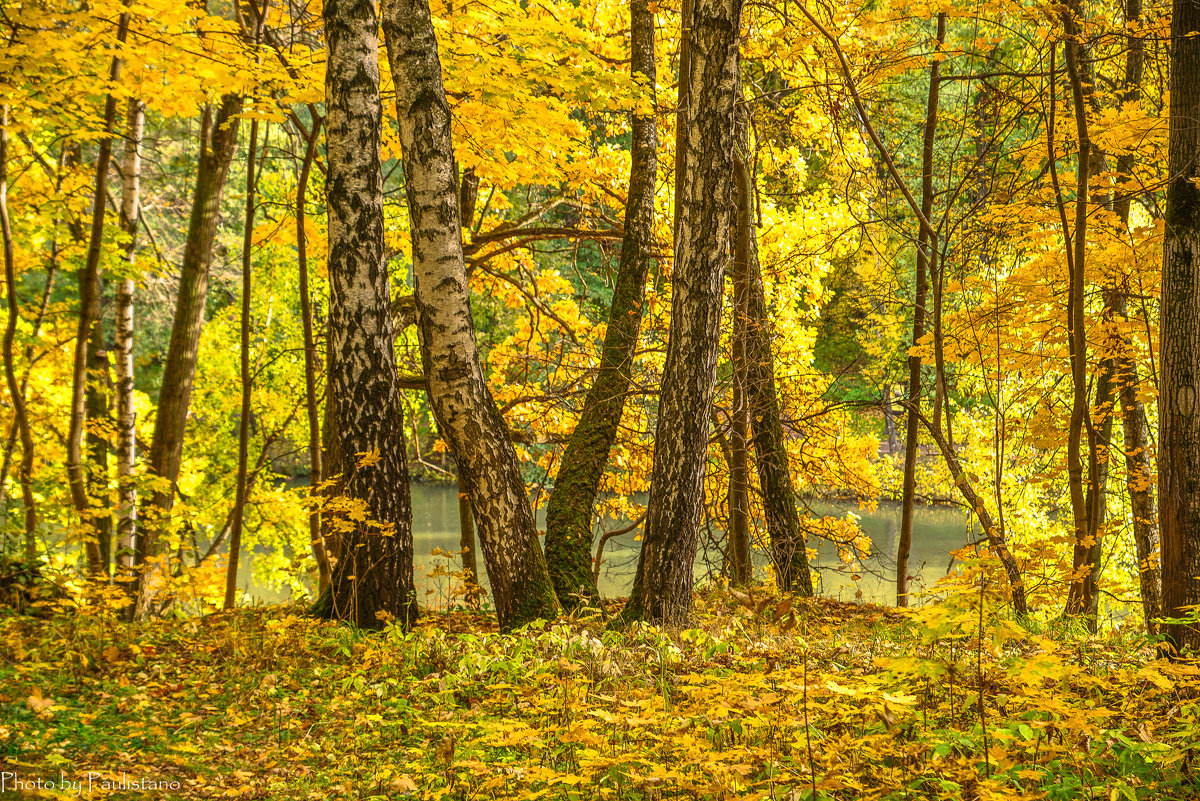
point(317, 468)
point(16, 396)
point(1179, 337)
point(1138, 467)
point(682, 113)
point(242, 488)
point(662, 590)
point(569, 512)
point(468, 194)
point(738, 495)
point(1083, 594)
point(89, 308)
point(924, 250)
point(96, 401)
point(788, 547)
point(218, 141)
point(373, 580)
point(466, 413)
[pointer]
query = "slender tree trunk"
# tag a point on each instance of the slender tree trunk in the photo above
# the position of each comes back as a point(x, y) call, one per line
point(462, 403)
point(468, 194)
point(569, 512)
point(1179, 338)
point(945, 442)
point(10, 443)
point(466, 533)
point(662, 589)
point(242, 489)
point(373, 581)
point(89, 299)
point(988, 523)
point(682, 113)
point(889, 421)
point(96, 402)
point(788, 547)
point(123, 331)
point(25, 471)
point(218, 142)
point(316, 473)
point(924, 250)
point(738, 495)
point(1081, 430)
point(1138, 467)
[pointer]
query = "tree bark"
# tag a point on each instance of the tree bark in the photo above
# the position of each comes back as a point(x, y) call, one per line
point(1138, 467)
point(96, 403)
point(242, 488)
point(992, 530)
point(662, 589)
point(908, 496)
point(25, 471)
point(468, 194)
point(466, 413)
point(682, 113)
point(569, 512)
point(89, 300)
point(1081, 430)
point(123, 333)
point(1179, 338)
point(218, 141)
point(738, 495)
point(316, 473)
point(373, 580)
point(789, 553)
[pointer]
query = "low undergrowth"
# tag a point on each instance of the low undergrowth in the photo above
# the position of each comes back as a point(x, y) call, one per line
point(766, 698)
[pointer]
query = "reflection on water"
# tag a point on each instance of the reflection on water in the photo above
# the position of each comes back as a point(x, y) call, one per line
point(936, 532)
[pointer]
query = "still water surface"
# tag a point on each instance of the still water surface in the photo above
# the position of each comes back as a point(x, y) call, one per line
point(936, 532)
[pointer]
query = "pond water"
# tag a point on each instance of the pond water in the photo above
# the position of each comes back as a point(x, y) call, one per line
point(937, 531)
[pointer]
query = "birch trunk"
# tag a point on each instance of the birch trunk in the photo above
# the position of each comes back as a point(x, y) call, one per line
point(662, 590)
point(462, 404)
point(123, 333)
point(373, 579)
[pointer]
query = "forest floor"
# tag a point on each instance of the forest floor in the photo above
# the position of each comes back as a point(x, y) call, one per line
point(765, 698)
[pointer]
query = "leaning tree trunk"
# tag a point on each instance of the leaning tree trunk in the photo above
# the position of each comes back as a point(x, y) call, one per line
point(924, 250)
point(462, 404)
point(218, 141)
point(1179, 338)
point(789, 552)
point(662, 589)
point(373, 581)
point(131, 174)
point(569, 512)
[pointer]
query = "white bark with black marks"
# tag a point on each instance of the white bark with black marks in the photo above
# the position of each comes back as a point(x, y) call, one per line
point(466, 413)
